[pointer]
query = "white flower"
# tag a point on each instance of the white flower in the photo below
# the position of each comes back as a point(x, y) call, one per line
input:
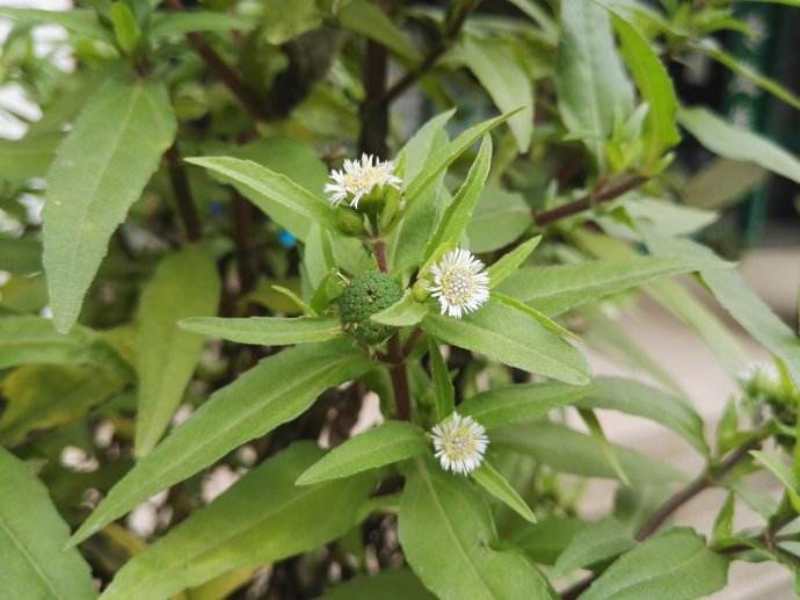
point(460, 283)
point(459, 443)
point(359, 178)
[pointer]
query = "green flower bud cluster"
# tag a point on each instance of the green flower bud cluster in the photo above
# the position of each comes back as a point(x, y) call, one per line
point(366, 295)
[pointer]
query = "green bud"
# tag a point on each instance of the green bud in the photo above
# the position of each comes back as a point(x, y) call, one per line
point(421, 290)
point(366, 295)
point(349, 221)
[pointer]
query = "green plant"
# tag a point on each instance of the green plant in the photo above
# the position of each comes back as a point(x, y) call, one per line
point(452, 281)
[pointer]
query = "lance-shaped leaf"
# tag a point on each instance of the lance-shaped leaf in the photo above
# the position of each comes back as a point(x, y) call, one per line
point(511, 261)
point(729, 141)
point(165, 24)
point(593, 91)
point(367, 19)
point(263, 518)
point(32, 538)
point(497, 64)
point(403, 313)
point(385, 444)
point(636, 398)
point(544, 541)
point(514, 338)
point(518, 404)
point(80, 21)
point(555, 290)
point(569, 451)
point(776, 465)
point(441, 160)
point(595, 543)
point(676, 565)
point(289, 204)
point(661, 131)
point(167, 355)
point(266, 331)
point(491, 480)
point(253, 405)
point(443, 389)
point(459, 213)
point(447, 534)
point(101, 169)
point(27, 339)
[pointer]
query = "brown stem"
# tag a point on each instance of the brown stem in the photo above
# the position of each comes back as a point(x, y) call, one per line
point(245, 257)
point(709, 477)
point(247, 97)
point(374, 115)
point(408, 347)
point(379, 248)
point(604, 193)
point(443, 44)
point(183, 194)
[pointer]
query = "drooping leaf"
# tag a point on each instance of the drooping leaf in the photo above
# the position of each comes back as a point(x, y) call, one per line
point(521, 403)
point(512, 337)
point(597, 542)
point(569, 451)
point(385, 444)
point(661, 131)
point(735, 143)
point(491, 480)
point(496, 64)
point(673, 566)
point(266, 331)
point(101, 168)
point(447, 533)
point(166, 354)
point(555, 290)
point(289, 204)
point(636, 398)
point(32, 538)
point(394, 584)
point(593, 91)
point(262, 518)
point(257, 402)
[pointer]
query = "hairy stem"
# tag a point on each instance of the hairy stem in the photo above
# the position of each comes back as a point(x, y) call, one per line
point(604, 193)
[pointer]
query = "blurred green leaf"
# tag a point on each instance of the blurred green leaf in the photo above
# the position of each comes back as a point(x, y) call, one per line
point(598, 542)
point(369, 20)
point(394, 584)
point(511, 261)
point(266, 331)
point(76, 20)
point(32, 538)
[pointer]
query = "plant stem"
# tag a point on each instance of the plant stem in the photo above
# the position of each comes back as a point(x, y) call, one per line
point(374, 115)
point(604, 193)
point(708, 478)
point(245, 258)
point(183, 194)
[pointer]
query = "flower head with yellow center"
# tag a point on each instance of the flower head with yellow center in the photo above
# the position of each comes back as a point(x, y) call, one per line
point(358, 178)
point(459, 443)
point(460, 283)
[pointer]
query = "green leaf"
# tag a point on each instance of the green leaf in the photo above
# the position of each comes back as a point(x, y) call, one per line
point(44, 396)
point(165, 24)
point(286, 21)
point(253, 405)
point(711, 48)
point(266, 331)
point(655, 85)
point(594, 93)
point(369, 20)
point(447, 534)
point(568, 451)
point(27, 339)
point(595, 428)
point(439, 162)
point(22, 256)
point(394, 584)
point(498, 67)
point(76, 20)
point(635, 398)
point(536, 315)
point(755, 316)
point(670, 218)
point(126, 29)
point(28, 157)
point(385, 444)
point(673, 566)
point(32, 538)
point(459, 213)
point(263, 518)
point(775, 464)
point(596, 543)
point(723, 524)
point(544, 541)
point(289, 204)
point(444, 391)
point(167, 355)
point(511, 261)
point(555, 290)
point(499, 219)
point(735, 143)
point(491, 480)
point(403, 313)
point(101, 169)
point(521, 403)
point(512, 337)
point(722, 183)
